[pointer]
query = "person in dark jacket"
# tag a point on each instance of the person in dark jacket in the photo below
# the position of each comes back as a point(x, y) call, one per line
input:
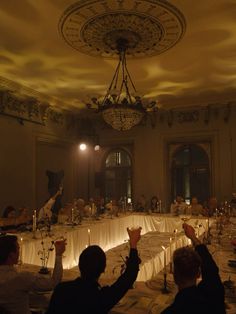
point(206, 297)
point(84, 295)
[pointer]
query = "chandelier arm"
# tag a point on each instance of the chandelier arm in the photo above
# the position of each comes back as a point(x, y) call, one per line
point(127, 91)
point(122, 55)
point(115, 78)
point(126, 75)
point(129, 76)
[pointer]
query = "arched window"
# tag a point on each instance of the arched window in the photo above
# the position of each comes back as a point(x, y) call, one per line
point(190, 174)
point(118, 175)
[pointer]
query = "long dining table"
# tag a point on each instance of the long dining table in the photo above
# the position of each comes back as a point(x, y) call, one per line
point(106, 232)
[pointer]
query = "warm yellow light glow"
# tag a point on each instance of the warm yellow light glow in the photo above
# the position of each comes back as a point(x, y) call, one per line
point(82, 146)
point(97, 147)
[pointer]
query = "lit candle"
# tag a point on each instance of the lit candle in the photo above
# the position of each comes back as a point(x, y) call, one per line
point(21, 246)
point(89, 237)
point(93, 209)
point(175, 232)
point(72, 215)
point(170, 255)
point(170, 248)
point(164, 249)
point(34, 221)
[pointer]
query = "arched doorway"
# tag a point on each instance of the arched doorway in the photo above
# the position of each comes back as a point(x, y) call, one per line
point(117, 175)
point(190, 173)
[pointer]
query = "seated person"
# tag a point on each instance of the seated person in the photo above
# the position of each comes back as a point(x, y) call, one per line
point(233, 204)
point(100, 204)
point(154, 204)
point(195, 208)
point(15, 286)
point(210, 209)
point(65, 213)
point(141, 205)
point(84, 294)
point(93, 207)
point(10, 221)
point(45, 213)
point(179, 207)
point(112, 208)
point(9, 212)
point(90, 210)
point(80, 206)
point(206, 297)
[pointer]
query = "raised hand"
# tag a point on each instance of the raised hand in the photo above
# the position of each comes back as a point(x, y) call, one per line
point(190, 233)
point(134, 236)
point(60, 246)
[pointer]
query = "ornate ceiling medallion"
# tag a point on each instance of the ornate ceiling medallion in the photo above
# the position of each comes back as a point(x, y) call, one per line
point(149, 26)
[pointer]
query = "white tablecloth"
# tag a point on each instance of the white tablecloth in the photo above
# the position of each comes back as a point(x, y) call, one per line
point(107, 233)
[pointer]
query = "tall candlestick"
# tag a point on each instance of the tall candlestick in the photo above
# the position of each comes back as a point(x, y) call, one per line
point(20, 257)
point(72, 215)
point(170, 255)
point(93, 209)
point(164, 249)
point(175, 232)
point(89, 237)
point(34, 221)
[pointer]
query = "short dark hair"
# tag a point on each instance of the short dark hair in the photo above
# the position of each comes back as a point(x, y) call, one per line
point(7, 246)
point(187, 263)
point(7, 210)
point(92, 262)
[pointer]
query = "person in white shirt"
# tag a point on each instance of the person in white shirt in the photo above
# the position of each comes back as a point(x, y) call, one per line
point(46, 211)
point(15, 286)
point(178, 207)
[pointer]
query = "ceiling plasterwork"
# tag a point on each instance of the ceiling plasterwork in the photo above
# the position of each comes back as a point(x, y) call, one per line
point(150, 27)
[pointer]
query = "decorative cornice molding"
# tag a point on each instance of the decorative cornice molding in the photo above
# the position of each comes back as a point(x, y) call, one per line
point(188, 116)
point(22, 109)
point(30, 109)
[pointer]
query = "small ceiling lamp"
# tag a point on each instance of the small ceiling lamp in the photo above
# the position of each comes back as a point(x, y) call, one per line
point(97, 147)
point(82, 146)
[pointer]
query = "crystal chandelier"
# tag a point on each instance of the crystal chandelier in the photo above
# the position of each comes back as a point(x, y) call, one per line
point(121, 107)
point(139, 29)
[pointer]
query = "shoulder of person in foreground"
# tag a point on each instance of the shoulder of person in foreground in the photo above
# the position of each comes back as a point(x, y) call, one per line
point(110, 295)
point(210, 284)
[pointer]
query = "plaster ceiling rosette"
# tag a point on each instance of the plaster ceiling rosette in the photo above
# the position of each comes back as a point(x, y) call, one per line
point(150, 27)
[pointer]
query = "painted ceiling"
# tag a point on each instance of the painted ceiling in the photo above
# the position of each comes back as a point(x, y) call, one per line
point(199, 70)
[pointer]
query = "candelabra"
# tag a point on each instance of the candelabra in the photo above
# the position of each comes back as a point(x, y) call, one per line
point(164, 290)
point(207, 235)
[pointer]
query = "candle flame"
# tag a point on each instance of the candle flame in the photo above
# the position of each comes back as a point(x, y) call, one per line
point(163, 247)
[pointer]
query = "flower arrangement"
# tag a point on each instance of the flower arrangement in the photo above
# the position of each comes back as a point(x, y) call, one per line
point(44, 254)
point(46, 248)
